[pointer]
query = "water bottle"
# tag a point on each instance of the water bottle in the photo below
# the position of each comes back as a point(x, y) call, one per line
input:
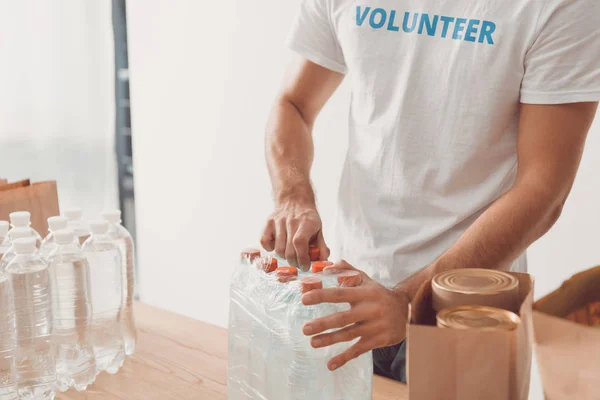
point(354, 381)
point(258, 290)
point(283, 290)
point(240, 323)
point(48, 244)
point(30, 284)
point(72, 312)
point(4, 239)
point(104, 258)
point(125, 242)
point(22, 219)
point(74, 221)
point(308, 369)
point(14, 234)
point(8, 386)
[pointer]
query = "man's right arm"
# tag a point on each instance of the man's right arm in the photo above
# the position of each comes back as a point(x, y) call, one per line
point(289, 151)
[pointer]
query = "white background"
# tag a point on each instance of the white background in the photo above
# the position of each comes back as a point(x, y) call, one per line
point(203, 76)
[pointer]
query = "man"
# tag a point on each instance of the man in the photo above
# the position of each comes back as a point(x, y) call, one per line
point(467, 124)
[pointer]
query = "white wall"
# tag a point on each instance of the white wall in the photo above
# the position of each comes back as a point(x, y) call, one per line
point(203, 76)
point(203, 79)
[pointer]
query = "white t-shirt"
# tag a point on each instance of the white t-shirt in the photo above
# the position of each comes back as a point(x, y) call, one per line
point(436, 87)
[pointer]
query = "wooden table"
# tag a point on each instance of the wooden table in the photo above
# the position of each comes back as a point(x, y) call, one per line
point(180, 358)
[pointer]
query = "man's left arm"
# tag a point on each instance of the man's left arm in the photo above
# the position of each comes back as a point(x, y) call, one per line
point(551, 139)
point(550, 145)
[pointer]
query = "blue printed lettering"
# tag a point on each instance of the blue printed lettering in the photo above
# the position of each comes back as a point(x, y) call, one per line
point(431, 26)
point(405, 26)
point(383, 17)
point(469, 30)
point(360, 17)
point(472, 29)
point(391, 26)
point(458, 28)
point(447, 21)
point(487, 29)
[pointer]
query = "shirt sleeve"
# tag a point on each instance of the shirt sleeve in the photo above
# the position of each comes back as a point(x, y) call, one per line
point(563, 64)
point(314, 37)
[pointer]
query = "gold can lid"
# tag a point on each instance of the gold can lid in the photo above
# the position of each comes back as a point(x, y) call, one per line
point(475, 281)
point(478, 317)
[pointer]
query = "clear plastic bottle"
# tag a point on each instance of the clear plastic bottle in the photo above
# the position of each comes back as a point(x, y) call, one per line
point(79, 226)
point(104, 258)
point(8, 383)
point(72, 312)
point(354, 381)
point(4, 239)
point(48, 244)
point(22, 219)
point(30, 284)
point(125, 242)
point(308, 365)
point(282, 291)
point(14, 234)
point(240, 326)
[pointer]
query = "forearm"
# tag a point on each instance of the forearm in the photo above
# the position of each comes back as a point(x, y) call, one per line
point(289, 153)
point(499, 235)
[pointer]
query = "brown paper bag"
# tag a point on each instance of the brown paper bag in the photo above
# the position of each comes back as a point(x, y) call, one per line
point(447, 364)
point(40, 199)
point(568, 352)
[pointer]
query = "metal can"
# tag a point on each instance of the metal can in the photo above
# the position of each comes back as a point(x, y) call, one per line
point(478, 317)
point(475, 287)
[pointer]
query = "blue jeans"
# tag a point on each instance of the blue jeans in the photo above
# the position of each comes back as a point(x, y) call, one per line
point(390, 362)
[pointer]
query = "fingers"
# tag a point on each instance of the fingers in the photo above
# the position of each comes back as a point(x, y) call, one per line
point(300, 243)
point(290, 251)
point(354, 351)
point(346, 334)
point(341, 265)
point(335, 295)
point(267, 241)
point(336, 321)
point(289, 234)
point(280, 237)
point(323, 249)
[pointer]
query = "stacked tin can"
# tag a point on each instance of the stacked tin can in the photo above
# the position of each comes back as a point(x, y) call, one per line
point(476, 299)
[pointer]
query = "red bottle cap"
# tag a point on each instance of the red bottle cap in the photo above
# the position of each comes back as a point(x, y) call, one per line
point(319, 266)
point(250, 254)
point(349, 279)
point(310, 283)
point(314, 253)
point(286, 274)
point(268, 264)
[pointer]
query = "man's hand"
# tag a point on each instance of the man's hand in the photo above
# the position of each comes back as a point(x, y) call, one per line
point(289, 151)
point(290, 231)
point(377, 316)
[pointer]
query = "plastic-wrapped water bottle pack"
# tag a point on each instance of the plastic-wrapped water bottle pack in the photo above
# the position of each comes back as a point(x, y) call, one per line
point(65, 304)
point(269, 356)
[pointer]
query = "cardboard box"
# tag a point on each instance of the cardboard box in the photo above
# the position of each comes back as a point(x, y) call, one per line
point(40, 199)
point(567, 349)
point(447, 364)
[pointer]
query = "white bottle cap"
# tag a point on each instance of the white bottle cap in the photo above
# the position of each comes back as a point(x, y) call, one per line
point(20, 218)
point(113, 215)
point(64, 236)
point(98, 227)
point(73, 214)
point(24, 245)
point(57, 223)
point(3, 228)
point(19, 233)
